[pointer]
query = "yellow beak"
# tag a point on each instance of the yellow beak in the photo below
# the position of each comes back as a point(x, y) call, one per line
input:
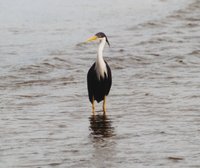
point(92, 38)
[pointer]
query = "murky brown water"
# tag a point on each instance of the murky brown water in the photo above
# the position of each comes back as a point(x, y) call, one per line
point(154, 104)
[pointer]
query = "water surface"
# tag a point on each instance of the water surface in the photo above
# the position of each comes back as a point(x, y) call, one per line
point(153, 107)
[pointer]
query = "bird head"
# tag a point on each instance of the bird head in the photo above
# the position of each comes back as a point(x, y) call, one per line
point(99, 36)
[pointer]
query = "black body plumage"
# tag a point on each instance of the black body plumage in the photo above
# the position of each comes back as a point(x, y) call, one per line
point(98, 88)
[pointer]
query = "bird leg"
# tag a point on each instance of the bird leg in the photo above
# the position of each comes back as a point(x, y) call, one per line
point(93, 107)
point(104, 105)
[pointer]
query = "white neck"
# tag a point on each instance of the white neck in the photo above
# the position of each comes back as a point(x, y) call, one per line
point(100, 63)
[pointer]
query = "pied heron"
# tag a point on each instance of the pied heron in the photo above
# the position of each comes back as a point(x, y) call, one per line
point(99, 77)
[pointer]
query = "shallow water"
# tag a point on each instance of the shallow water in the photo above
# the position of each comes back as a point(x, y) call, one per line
point(153, 107)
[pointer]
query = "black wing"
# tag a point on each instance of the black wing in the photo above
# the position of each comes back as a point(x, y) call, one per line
point(90, 82)
point(109, 79)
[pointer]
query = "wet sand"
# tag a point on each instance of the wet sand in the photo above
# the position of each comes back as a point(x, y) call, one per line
point(153, 107)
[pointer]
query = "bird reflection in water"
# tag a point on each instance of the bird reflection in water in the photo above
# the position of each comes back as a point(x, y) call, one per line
point(103, 139)
point(101, 126)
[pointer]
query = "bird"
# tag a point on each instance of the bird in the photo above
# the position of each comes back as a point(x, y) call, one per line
point(99, 76)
